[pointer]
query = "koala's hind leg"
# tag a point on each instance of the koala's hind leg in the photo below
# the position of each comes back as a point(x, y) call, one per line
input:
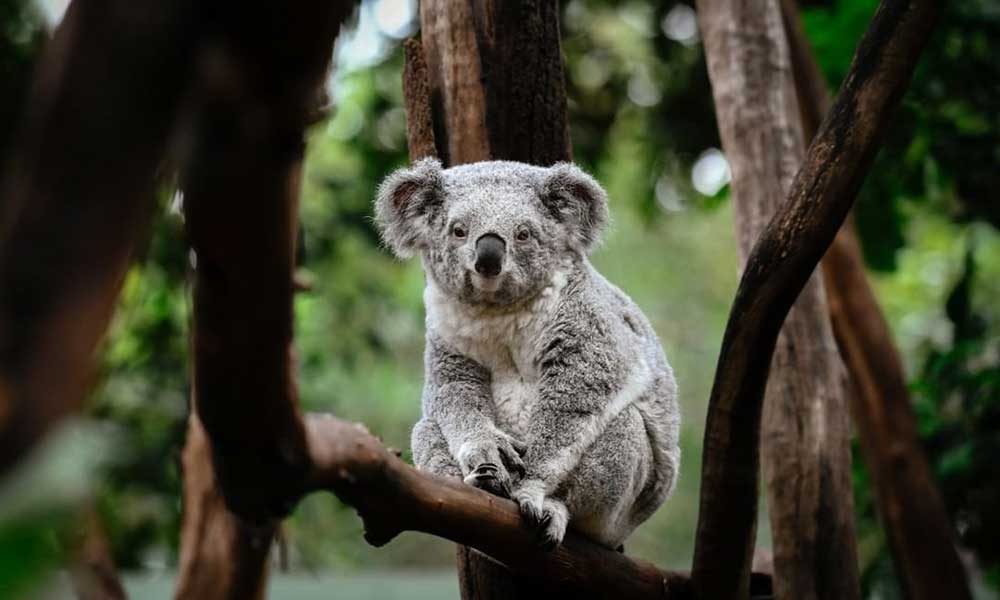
point(430, 450)
point(602, 492)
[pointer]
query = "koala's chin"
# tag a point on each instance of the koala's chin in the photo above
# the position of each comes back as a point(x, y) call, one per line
point(500, 291)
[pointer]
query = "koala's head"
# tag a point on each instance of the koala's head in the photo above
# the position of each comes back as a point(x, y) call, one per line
point(491, 232)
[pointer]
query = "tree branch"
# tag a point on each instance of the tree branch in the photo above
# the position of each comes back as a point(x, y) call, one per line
point(920, 533)
point(391, 497)
point(779, 265)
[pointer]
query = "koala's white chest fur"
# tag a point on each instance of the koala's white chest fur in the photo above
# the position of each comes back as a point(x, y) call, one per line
point(505, 342)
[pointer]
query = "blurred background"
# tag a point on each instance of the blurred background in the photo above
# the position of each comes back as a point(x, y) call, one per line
point(642, 122)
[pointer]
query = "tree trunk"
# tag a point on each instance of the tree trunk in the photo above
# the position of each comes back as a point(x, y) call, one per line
point(805, 430)
point(919, 531)
point(220, 556)
point(484, 107)
point(246, 458)
point(783, 259)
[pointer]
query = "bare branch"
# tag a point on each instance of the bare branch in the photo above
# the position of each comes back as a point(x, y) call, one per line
point(392, 497)
point(779, 265)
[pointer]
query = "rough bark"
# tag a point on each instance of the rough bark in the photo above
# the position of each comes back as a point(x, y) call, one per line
point(93, 572)
point(220, 556)
point(920, 534)
point(805, 443)
point(779, 266)
point(417, 95)
point(497, 92)
point(496, 79)
point(77, 197)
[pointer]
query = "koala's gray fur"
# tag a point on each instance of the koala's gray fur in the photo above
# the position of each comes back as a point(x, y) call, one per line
point(544, 383)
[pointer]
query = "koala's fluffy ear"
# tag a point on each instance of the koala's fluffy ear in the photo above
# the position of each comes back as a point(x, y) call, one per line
point(408, 200)
point(575, 199)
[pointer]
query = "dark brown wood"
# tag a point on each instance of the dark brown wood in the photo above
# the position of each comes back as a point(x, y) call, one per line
point(805, 437)
point(220, 556)
point(777, 269)
point(77, 196)
point(247, 118)
point(497, 84)
point(920, 534)
point(92, 571)
point(246, 453)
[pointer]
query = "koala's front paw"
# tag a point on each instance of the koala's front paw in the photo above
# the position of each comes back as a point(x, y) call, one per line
point(547, 515)
point(489, 462)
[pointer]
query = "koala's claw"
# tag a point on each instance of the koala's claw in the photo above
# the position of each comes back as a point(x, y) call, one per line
point(490, 462)
point(547, 515)
point(489, 477)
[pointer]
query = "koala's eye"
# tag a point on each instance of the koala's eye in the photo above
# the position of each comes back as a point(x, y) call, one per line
point(523, 235)
point(458, 231)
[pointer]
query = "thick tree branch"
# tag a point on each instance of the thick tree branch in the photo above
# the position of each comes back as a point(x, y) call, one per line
point(247, 116)
point(779, 265)
point(392, 497)
point(920, 533)
point(77, 196)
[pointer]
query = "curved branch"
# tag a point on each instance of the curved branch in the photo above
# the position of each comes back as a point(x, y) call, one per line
point(778, 267)
point(392, 497)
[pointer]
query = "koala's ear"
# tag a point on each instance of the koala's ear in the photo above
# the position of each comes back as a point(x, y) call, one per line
point(576, 200)
point(408, 201)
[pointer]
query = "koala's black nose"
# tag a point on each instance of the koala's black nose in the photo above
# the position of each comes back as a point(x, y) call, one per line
point(489, 255)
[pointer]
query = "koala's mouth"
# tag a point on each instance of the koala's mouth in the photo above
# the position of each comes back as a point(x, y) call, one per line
point(486, 284)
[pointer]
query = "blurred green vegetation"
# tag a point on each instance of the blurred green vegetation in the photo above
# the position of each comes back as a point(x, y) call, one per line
point(642, 122)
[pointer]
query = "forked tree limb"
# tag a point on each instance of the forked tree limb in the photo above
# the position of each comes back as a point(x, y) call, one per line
point(246, 120)
point(779, 265)
point(910, 507)
point(245, 456)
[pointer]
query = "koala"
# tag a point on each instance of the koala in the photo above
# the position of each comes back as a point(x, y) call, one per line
point(544, 382)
